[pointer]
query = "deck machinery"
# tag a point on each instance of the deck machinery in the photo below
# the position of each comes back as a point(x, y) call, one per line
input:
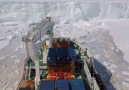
point(57, 63)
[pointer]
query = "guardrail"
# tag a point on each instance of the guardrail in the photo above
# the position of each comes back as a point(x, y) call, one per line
point(88, 61)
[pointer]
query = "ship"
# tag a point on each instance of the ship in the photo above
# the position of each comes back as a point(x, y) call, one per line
point(57, 63)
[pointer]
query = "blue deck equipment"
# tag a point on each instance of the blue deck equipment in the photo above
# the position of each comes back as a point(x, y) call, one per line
point(60, 54)
point(76, 84)
point(46, 85)
point(62, 84)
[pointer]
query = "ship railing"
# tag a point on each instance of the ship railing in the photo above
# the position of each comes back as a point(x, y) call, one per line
point(36, 84)
point(29, 71)
point(87, 72)
point(91, 80)
point(89, 55)
point(96, 87)
point(88, 60)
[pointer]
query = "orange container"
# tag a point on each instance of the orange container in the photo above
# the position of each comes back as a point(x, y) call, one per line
point(61, 43)
point(29, 82)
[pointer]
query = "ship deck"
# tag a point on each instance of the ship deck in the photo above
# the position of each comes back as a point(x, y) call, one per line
point(79, 74)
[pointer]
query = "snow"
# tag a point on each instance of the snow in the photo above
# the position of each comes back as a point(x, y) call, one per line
point(11, 62)
point(63, 1)
point(4, 43)
point(120, 31)
point(126, 73)
point(97, 56)
point(17, 61)
point(62, 12)
point(102, 27)
point(2, 65)
point(2, 58)
point(126, 85)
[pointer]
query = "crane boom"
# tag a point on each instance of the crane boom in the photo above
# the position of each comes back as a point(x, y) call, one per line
point(32, 47)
